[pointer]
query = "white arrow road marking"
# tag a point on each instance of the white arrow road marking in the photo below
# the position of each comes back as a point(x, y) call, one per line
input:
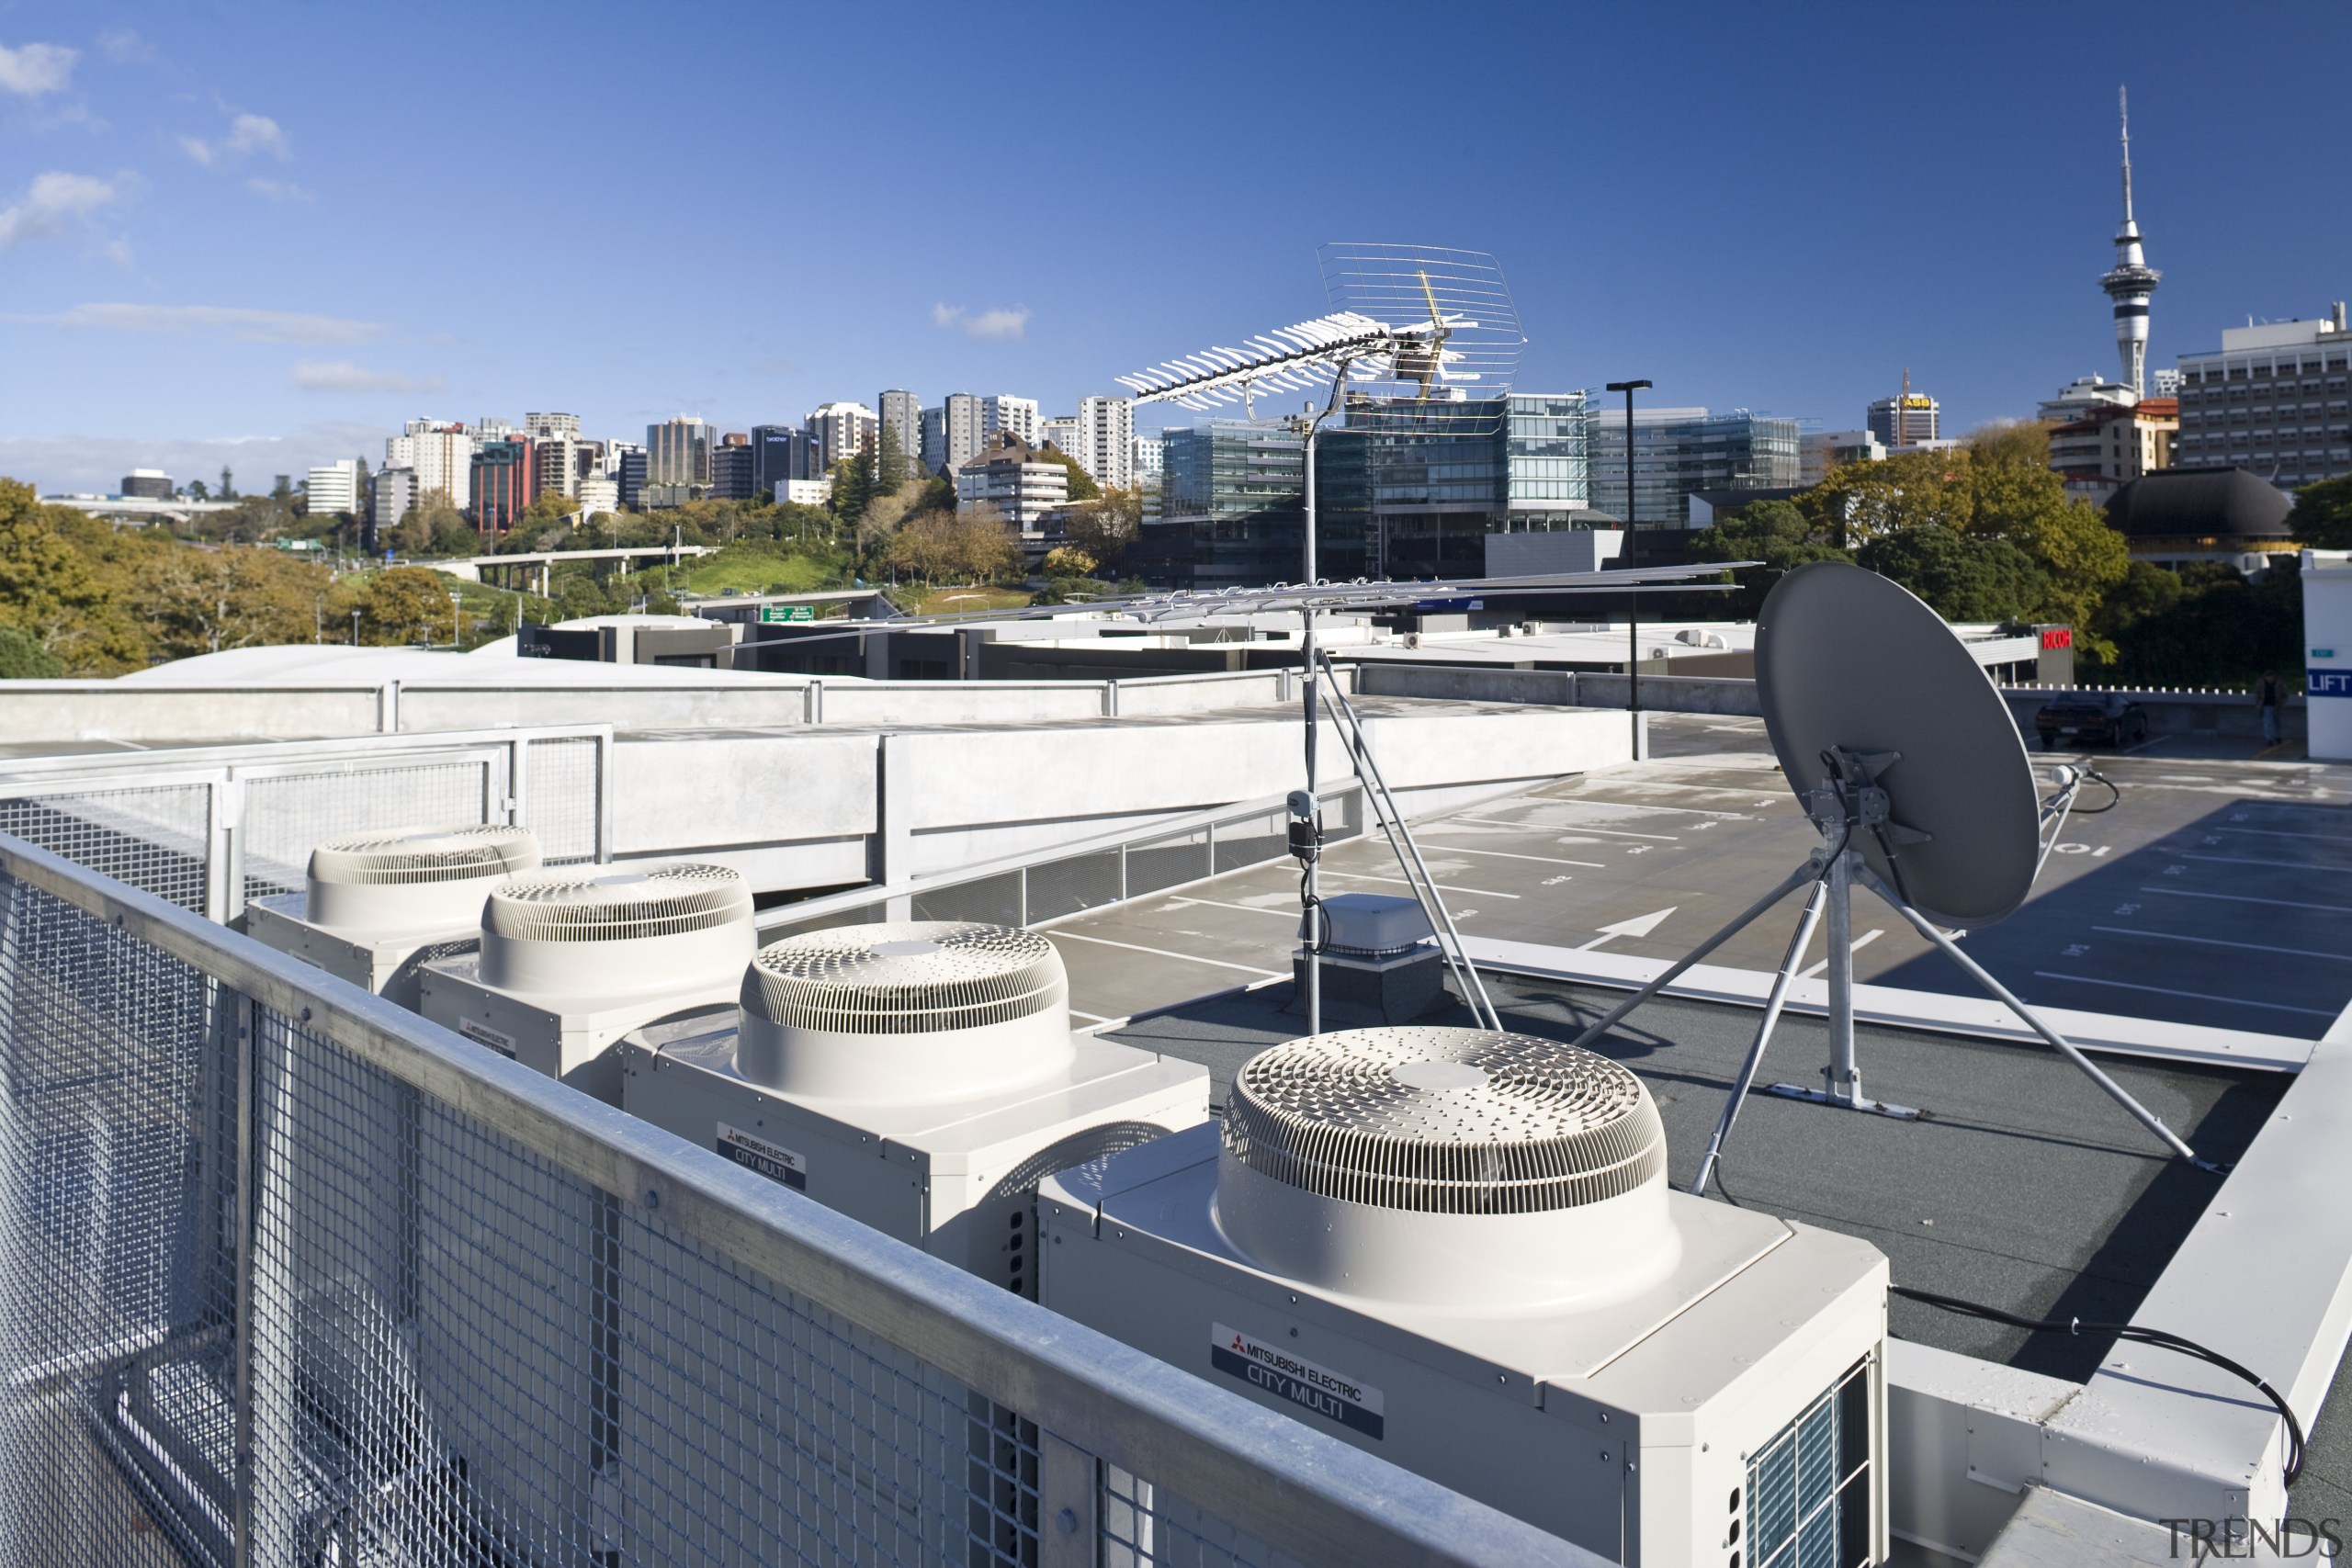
point(1640, 925)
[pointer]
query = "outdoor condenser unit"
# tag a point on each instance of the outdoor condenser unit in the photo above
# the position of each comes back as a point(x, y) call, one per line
point(1457, 1249)
point(571, 962)
point(379, 906)
point(918, 1076)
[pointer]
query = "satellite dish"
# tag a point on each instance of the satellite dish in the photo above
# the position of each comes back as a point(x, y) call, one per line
point(1847, 660)
point(1909, 766)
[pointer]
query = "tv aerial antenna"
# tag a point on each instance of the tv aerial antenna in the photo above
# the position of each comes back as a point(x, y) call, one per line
point(1910, 768)
point(1420, 339)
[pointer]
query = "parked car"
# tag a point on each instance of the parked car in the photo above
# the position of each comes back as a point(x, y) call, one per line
point(2090, 721)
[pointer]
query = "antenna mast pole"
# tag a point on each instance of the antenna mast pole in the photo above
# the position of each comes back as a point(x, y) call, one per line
point(1311, 886)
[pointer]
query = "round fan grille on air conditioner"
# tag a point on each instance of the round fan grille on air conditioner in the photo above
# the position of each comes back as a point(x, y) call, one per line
point(426, 854)
point(904, 976)
point(414, 877)
point(1445, 1120)
point(618, 905)
point(909, 1010)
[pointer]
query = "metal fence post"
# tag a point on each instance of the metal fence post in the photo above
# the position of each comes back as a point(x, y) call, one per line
point(518, 755)
point(216, 850)
point(1069, 1484)
point(241, 1041)
point(605, 798)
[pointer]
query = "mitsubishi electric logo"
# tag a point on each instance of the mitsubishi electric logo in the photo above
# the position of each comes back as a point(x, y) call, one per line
point(1317, 1389)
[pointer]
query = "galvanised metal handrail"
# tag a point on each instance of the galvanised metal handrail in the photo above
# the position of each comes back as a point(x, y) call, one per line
point(1301, 1491)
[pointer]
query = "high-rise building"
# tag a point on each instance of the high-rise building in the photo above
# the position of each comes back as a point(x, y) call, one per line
point(1677, 451)
point(1823, 450)
point(677, 451)
point(598, 494)
point(2131, 282)
point(540, 427)
point(1061, 432)
point(2272, 401)
point(2082, 397)
point(630, 465)
point(395, 498)
point(147, 484)
point(1005, 414)
point(560, 455)
point(1918, 419)
point(732, 468)
point(965, 426)
point(504, 483)
point(934, 440)
point(440, 454)
point(841, 431)
point(1146, 457)
point(901, 415)
point(1010, 477)
point(1106, 433)
point(1232, 504)
point(336, 487)
point(771, 456)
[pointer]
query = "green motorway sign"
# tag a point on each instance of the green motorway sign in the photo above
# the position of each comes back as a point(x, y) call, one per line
point(773, 614)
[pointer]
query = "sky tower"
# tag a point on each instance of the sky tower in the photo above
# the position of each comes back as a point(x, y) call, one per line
point(2132, 280)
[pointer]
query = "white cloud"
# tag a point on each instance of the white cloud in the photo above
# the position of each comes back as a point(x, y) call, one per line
point(246, 325)
point(342, 375)
point(279, 190)
point(247, 133)
point(118, 250)
point(125, 47)
point(35, 69)
point(987, 326)
point(54, 203)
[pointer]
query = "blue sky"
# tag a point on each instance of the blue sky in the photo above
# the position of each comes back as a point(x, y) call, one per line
point(265, 234)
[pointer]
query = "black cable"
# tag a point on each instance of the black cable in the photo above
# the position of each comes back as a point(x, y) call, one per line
point(2115, 792)
point(2134, 1333)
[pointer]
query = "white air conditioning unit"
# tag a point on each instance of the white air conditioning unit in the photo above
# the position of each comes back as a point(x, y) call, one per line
point(918, 1076)
point(381, 905)
point(1456, 1249)
point(571, 962)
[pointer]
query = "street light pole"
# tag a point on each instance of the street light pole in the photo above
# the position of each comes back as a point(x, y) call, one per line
point(1633, 599)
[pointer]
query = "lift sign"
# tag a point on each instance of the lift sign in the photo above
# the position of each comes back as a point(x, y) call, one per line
point(771, 1160)
point(1319, 1388)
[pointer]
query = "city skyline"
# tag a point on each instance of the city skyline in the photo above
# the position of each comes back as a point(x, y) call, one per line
point(200, 269)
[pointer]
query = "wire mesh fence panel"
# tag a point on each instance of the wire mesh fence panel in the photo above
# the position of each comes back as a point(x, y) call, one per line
point(116, 1278)
point(1143, 1526)
point(152, 837)
point(1058, 887)
point(561, 800)
point(286, 815)
point(994, 900)
point(1167, 861)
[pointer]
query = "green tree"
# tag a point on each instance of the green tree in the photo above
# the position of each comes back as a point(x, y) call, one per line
point(2323, 514)
point(73, 606)
point(1082, 483)
point(241, 596)
point(1104, 528)
point(22, 657)
point(891, 467)
point(403, 605)
point(853, 488)
point(1776, 533)
point(1859, 502)
point(228, 486)
point(1961, 577)
point(196, 491)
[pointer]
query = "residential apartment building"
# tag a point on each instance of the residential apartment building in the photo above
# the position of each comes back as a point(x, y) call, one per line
point(504, 482)
point(395, 498)
point(2273, 400)
point(147, 484)
point(933, 449)
point(598, 494)
point(439, 454)
point(560, 457)
point(901, 415)
point(1006, 415)
point(677, 453)
point(1678, 450)
point(1823, 450)
point(1105, 440)
point(2111, 445)
point(337, 488)
point(841, 431)
point(541, 427)
point(1061, 434)
point(1010, 477)
point(963, 431)
point(2082, 397)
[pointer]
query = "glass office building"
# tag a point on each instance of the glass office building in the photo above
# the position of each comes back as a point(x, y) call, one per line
point(1232, 504)
point(1677, 451)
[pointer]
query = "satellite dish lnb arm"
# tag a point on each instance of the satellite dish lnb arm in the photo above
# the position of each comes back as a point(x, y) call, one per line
point(2000, 993)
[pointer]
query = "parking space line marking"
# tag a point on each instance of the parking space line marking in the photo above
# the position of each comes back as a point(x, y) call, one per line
point(2244, 898)
point(1366, 876)
point(1645, 805)
point(1858, 943)
point(1504, 855)
point(1163, 953)
point(2193, 995)
point(1090, 1017)
point(2288, 865)
point(2217, 942)
point(2282, 833)
point(1245, 908)
point(1575, 828)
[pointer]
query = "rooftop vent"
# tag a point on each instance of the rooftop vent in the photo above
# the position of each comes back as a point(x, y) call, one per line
point(1454, 1166)
point(613, 933)
point(908, 1010)
point(413, 878)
